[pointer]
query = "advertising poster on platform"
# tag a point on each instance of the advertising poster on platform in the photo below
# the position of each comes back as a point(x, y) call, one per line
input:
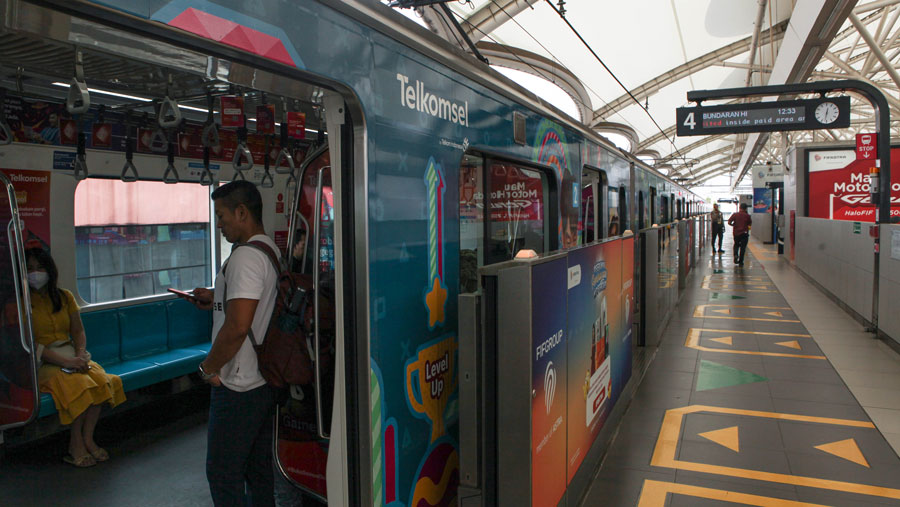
point(599, 350)
point(762, 200)
point(33, 200)
point(839, 185)
point(548, 406)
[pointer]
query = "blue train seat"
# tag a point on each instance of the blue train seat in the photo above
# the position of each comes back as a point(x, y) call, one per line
point(145, 344)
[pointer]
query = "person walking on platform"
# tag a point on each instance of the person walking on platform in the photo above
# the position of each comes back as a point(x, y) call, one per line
point(718, 227)
point(740, 223)
point(242, 404)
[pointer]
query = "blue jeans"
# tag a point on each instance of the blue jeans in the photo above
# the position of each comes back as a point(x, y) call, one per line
point(239, 446)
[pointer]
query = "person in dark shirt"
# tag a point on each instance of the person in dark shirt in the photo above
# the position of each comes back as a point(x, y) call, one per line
point(718, 227)
point(740, 223)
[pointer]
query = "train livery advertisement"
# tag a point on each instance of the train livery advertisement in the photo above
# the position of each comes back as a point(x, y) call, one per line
point(33, 201)
point(582, 340)
point(839, 185)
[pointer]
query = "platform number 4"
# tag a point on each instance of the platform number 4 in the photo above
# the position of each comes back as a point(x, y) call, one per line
point(689, 121)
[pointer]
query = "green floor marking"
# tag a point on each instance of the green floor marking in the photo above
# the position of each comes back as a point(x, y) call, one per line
point(715, 296)
point(716, 376)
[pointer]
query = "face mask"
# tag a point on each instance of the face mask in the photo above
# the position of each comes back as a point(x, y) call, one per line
point(37, 279)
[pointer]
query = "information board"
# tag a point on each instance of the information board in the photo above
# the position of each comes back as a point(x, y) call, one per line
point(801, 114)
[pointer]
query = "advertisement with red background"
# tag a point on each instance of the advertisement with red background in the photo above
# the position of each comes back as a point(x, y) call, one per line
point(33, 200)
point(839, 185)
point(516, 194)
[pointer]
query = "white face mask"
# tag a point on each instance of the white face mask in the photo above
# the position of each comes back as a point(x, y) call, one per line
point(37, 279)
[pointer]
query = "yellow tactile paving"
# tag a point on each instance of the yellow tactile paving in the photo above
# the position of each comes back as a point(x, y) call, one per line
point(667, 447)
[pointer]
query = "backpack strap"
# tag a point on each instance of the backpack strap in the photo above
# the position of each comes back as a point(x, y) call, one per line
point(273, 259)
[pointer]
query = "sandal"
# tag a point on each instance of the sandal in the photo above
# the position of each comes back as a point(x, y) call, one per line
point(100, 454)
point(81, 462)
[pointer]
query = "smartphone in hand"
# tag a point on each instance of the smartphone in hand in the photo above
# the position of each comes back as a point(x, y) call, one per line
point(184, 294)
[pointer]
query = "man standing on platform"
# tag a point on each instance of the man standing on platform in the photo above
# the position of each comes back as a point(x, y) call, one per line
point(741, 223)
point(718, 227)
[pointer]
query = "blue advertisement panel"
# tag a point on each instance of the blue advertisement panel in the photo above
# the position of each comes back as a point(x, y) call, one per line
point(599, 342)
point(762, 200)
point(548, 407)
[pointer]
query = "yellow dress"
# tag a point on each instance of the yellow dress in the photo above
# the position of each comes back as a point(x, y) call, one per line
point(72, 393)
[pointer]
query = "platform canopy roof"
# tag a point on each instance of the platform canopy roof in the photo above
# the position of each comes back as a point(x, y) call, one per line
point(622, 68)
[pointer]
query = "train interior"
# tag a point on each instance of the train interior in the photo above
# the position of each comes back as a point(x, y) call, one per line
point(122, 139)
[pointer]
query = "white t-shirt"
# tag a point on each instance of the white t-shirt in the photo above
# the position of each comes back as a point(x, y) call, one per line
point(249, 275)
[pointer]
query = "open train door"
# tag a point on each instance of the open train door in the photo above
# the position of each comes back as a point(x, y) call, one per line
point(315, 445)
point(18, 369)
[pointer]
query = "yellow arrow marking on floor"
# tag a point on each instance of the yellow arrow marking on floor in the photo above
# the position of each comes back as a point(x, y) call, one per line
point(725, 339)
point(726, 311)
point(846, 449)
point(726, 437)
point(775, 314)
point(793, 345)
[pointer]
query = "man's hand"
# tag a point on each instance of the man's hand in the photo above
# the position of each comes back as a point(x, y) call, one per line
point(203, 298)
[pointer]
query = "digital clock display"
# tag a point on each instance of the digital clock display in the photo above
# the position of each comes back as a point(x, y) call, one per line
point(776, 116)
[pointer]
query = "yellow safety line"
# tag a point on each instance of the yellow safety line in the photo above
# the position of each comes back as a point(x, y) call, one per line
point(693, 342)
point(653, 494)
point(699, 312)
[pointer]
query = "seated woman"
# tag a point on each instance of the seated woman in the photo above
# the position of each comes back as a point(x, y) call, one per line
point(78, 385)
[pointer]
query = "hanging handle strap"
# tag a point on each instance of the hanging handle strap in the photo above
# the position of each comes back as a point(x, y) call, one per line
point(78, 101)
point(242, 152)
point(169, 113)
point(210, 135)
point(80, 164)
point(267, 180)
point(285, 154)
point(129, 160)
point(171, 175)
point(206, 176)
point(6, 136)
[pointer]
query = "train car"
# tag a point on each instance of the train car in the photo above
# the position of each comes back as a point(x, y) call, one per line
point(378, 149)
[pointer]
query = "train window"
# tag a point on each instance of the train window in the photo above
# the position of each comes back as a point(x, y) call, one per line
point(623, 210)
point(138, 239)
point(664, 206)
point(614, 229)
point(518, 199)
point(518, 212)
point(591, 206)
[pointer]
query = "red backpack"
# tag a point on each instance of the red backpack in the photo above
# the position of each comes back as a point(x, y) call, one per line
point(283, 356)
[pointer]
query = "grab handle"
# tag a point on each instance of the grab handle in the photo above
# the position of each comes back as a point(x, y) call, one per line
point(317, 223)
point(206, 177)
point(5, 130)
point(170, 168)
point(129, 163)
point(169, 114)
point(78, 101)
point(284, 156)
point(242, 152)
point(210, 136)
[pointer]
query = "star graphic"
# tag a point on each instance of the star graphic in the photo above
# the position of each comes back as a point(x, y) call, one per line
point(435, 301)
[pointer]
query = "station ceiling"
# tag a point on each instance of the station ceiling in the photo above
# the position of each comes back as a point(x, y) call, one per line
point(622, 68)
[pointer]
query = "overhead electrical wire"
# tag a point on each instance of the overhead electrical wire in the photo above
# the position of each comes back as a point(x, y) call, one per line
point(611, 73)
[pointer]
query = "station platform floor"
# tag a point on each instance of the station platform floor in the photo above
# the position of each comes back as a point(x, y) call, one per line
point(762, 392)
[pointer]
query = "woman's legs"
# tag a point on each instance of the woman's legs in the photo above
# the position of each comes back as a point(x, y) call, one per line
point(76, 438)
point(91, 416)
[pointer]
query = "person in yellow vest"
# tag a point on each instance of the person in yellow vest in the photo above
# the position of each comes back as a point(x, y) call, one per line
point(78, 385)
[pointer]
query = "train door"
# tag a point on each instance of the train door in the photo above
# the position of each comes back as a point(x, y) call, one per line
point(593, 188)
point(312, 447)
point(18, 377)
point(623, 211)
point(654, 220)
